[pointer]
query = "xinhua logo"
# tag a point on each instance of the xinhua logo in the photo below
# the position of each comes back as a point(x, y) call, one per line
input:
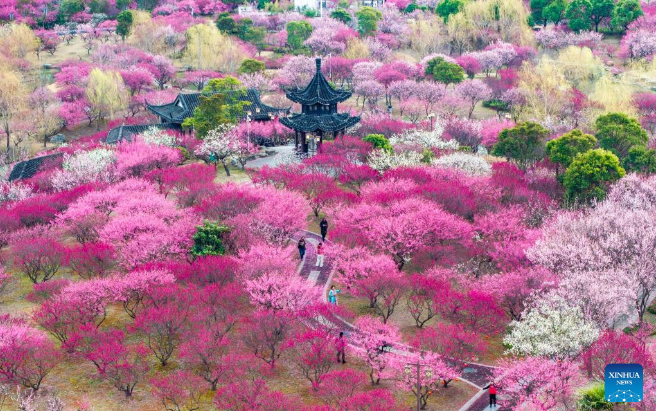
point(624, 382)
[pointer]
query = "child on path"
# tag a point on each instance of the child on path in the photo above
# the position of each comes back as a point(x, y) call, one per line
point(320, 255)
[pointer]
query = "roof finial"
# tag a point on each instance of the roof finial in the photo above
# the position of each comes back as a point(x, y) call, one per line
point(318, 62)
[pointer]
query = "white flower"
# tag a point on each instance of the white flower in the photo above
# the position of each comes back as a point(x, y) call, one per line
point(158, 137)
point(425, 139)
point(14, 191)
point(382, 160)
point(84, 167)
point(468, 163)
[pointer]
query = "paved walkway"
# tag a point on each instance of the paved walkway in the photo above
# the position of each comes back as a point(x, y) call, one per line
point(475, 374)
point(283, 155)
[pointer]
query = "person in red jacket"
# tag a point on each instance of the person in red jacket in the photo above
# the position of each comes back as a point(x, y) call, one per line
point(492, 395)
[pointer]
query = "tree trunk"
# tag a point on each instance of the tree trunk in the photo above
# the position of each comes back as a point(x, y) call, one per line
point(223, 162)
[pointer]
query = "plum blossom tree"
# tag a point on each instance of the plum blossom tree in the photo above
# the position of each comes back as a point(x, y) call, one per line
point(538, 383)
point(38, 258)
point(424, 297)
point(85, 167)
point(123, 365)
point(266, 333)
point(375, 337)
point(26, 354)
point(551, 328)
point(90, 260)
point(434, 373)
point(281, 291)
point(513, 289)
point(615, 347)
point(403, 227)
point(473, 91)
point(313, 352)
point(611, 242)
point(163, 324)
point(179, 391)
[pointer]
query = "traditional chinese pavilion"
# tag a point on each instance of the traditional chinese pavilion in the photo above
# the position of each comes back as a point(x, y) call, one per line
point(183, 106)
point(319, 111)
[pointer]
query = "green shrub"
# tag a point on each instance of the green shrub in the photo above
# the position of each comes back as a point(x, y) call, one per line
point(208, 239)
point(593, 398)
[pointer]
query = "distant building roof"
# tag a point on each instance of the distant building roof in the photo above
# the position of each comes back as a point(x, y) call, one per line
point(29, 168)
point(125, 133)
point(185, 103)
point(318, 90)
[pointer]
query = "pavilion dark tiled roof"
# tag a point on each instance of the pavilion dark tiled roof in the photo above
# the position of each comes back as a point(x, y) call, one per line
point(314, 123)
point(29, 168)
point(318, 91)
point(125, 133)
point(183, 106)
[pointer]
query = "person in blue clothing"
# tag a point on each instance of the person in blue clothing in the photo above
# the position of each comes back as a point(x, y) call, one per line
point(333, 295)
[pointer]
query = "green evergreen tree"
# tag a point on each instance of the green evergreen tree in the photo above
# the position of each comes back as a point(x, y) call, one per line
point(625, 12)
point(618, 133)
point(250, 66)
point(124, 24)
point(341, 15)
point(368, 18)
point(209, 239)
point(640, 159)
point(444, 72)
point(579, 15)
point(590, 175)
point(297, 33)
point(524, 143)
point(378, 141)
point(564, 149)
point(446, 8)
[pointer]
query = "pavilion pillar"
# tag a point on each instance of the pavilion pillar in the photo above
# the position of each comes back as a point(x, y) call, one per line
point(296, 140)
point(304, 143)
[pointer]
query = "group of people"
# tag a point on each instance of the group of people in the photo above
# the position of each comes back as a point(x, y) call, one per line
point(301, 245)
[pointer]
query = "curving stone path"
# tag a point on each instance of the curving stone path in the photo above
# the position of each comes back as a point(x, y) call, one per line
point(475, 374)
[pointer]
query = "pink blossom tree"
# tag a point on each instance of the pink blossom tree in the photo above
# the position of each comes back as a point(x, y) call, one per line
point(434, 372)
point(26, 354)
point(123, 365)
point(473, 91)
point(38, 258)
point(615, 347)
point(265, 334)
point(375, 338)
point(180, 391)
point(313, 353)
point(537, 383)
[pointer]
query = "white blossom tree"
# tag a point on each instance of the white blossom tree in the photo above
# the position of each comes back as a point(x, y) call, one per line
point(468, 163)
point(551, 328)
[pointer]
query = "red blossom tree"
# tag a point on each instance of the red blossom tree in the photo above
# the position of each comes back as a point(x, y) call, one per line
point(178, 391)
point(39, 258)
point(26, 354)
point(313, 352)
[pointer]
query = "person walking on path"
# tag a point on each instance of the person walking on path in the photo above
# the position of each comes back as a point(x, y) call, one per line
point(340, 346)
point(323, 228)
point(333, 295)
point(320, 255)
point(302, 247)
point(492, 395)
